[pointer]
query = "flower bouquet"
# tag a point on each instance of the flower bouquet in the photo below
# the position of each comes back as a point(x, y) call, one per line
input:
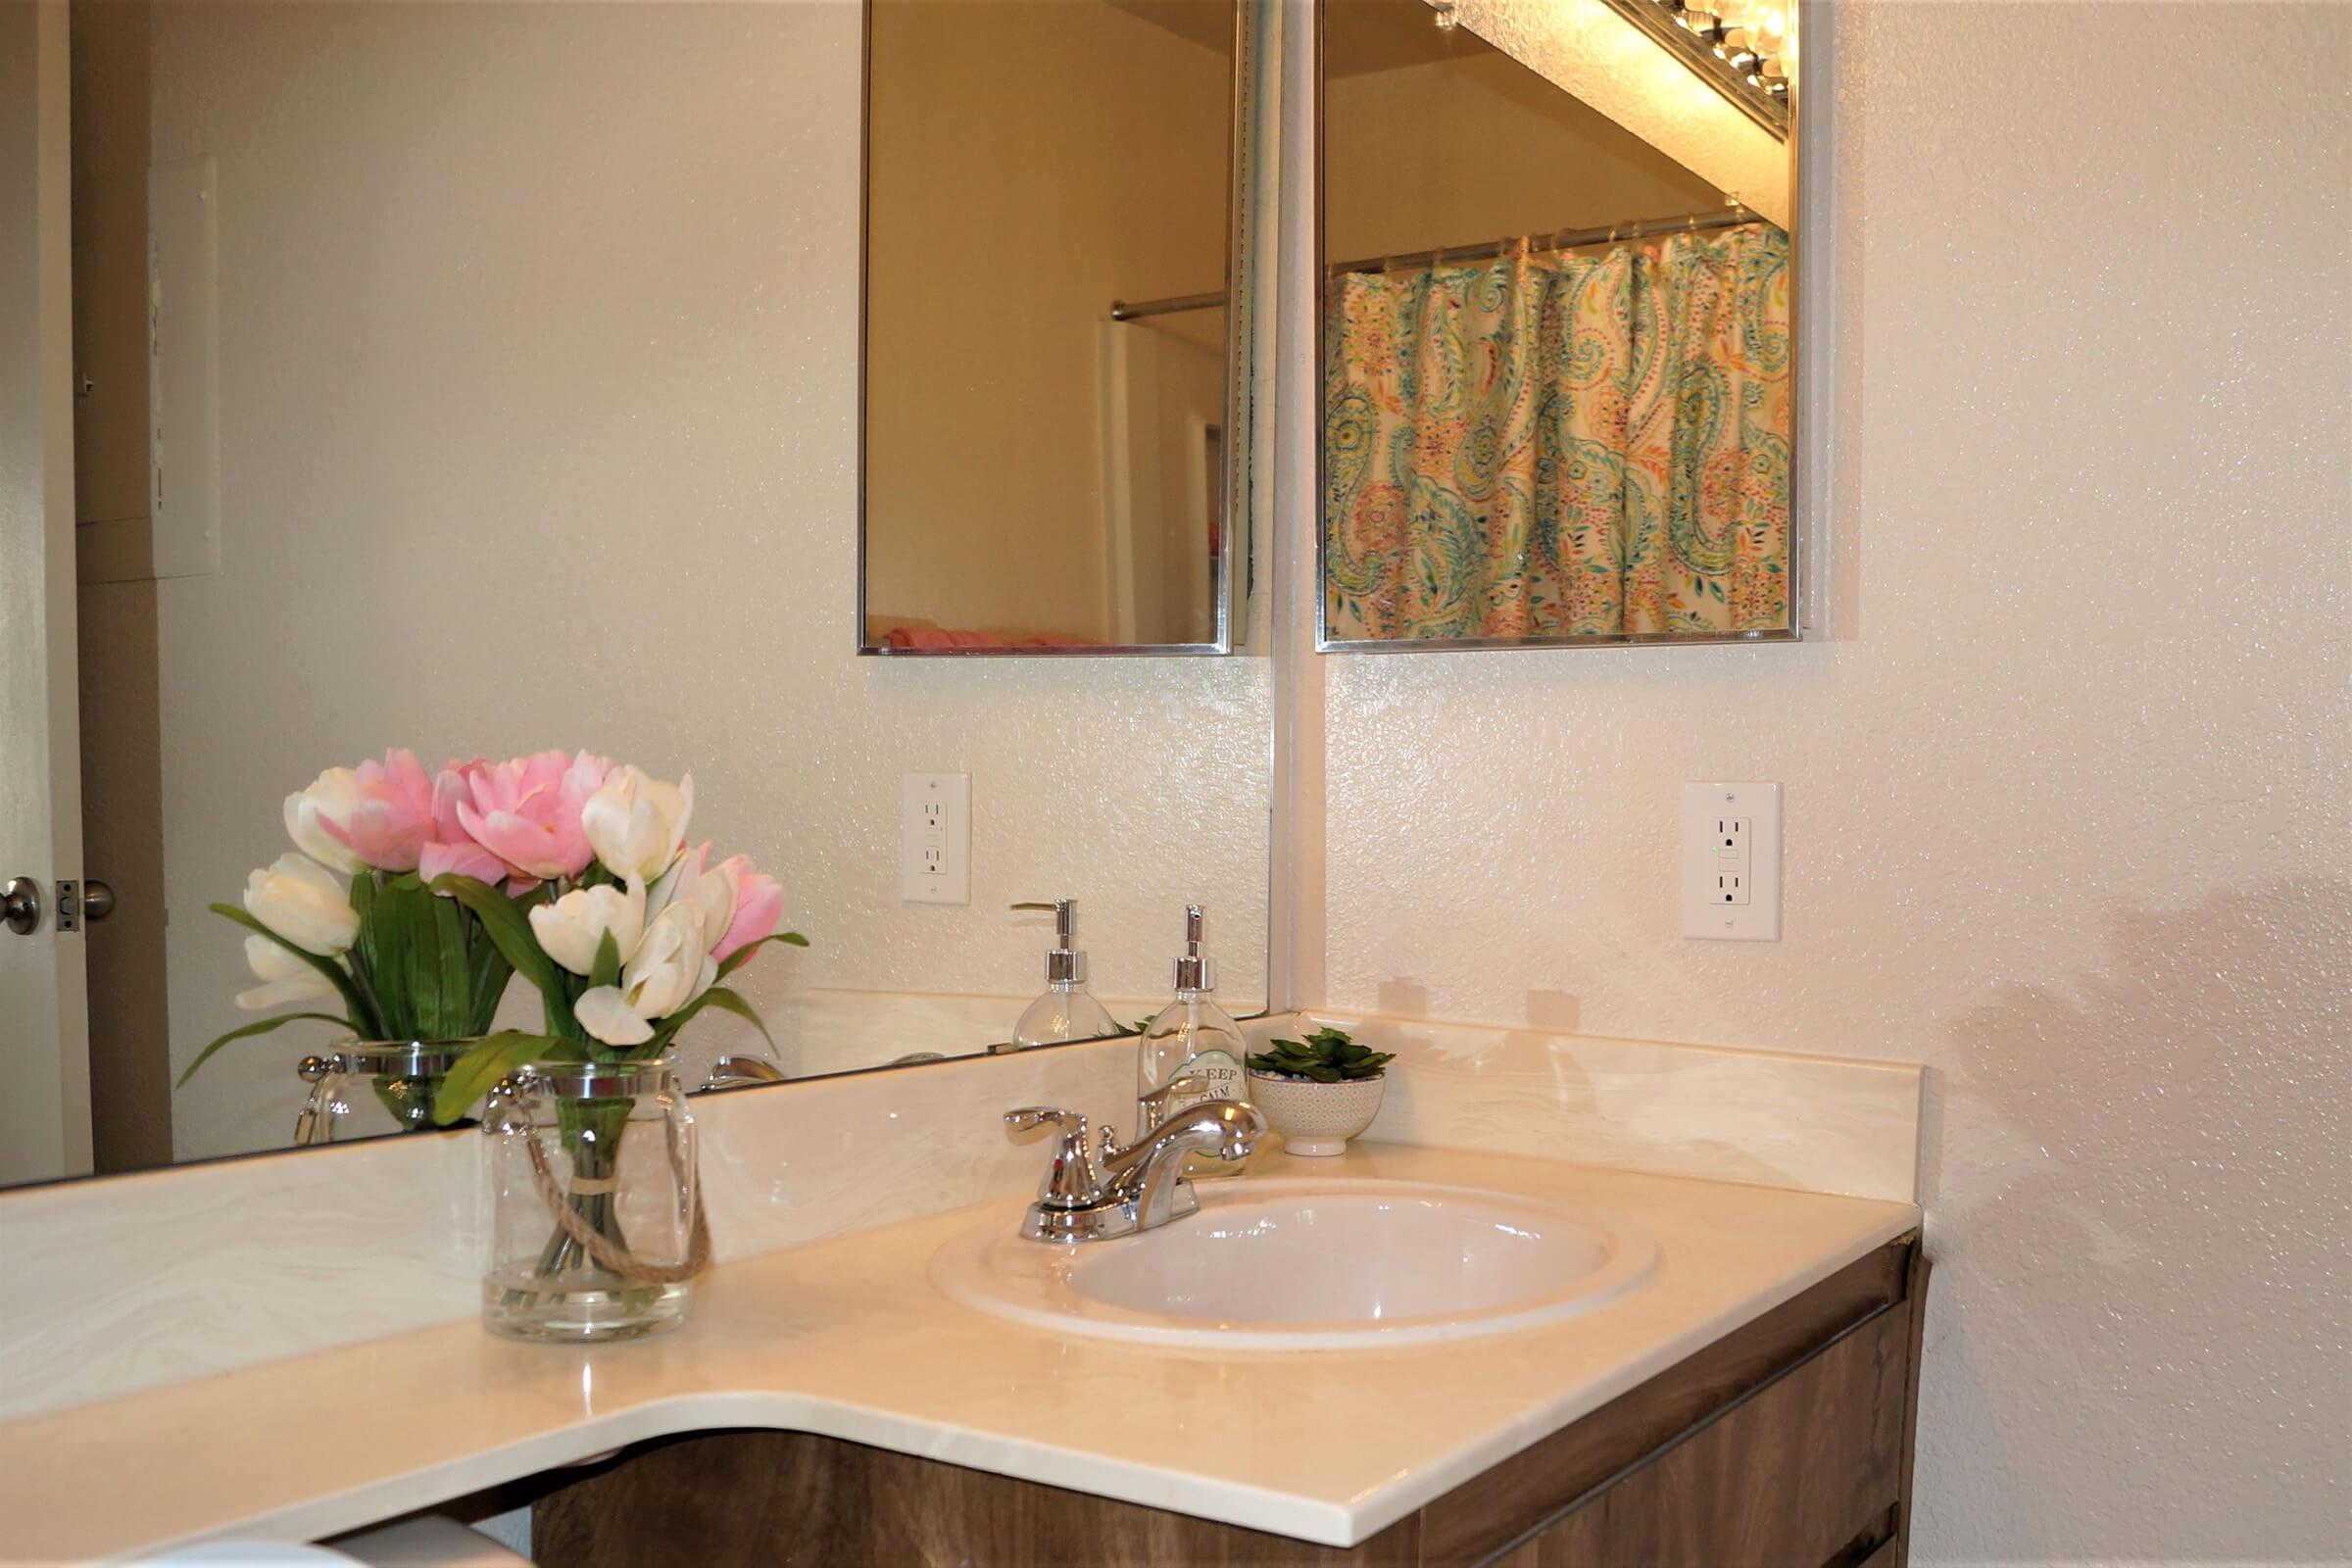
point(575, 875)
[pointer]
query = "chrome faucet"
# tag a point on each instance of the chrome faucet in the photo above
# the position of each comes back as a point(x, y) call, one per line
point(733, 1072)
point(1089, 1196)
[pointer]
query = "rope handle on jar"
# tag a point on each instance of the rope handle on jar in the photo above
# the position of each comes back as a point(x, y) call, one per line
point(499, 1117)
point(615, 1260)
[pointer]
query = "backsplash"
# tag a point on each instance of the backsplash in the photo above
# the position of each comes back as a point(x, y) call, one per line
point(1823, 1124)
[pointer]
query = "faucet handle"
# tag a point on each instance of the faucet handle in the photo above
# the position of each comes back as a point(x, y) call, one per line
point(1069, 1181)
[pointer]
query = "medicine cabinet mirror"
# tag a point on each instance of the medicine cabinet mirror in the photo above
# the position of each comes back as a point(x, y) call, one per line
point(1557, 352)
point(1050, 452)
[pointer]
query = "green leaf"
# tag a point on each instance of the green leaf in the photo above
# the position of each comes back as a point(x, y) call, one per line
point(455, 1017)
point(743, 955)
point(491, 1058)
point(504, 921)
point(363, 901)
point(248, 1032)
point(490, 973)
point(363, 1018)
point(1325, 1057)
point(606, 971)
point(420, 970)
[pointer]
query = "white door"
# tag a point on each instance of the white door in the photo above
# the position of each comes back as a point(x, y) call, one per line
point(44, 1043)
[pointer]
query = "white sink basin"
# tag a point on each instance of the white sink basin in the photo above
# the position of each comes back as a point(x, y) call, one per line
point(1306, 1265)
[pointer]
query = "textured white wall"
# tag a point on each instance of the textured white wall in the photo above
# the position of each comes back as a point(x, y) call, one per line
point(2056, 795)
point(539, 407)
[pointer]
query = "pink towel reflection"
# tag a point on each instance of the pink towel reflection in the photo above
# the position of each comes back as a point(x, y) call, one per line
point(948, 637)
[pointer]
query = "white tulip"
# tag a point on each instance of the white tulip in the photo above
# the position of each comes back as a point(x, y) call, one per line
point(672, 964)
point(331, 796)
point(285, 977)
point(636, 824)
point(302, 901)
point(691, 879)
point(606, 1015)
point(574, 927)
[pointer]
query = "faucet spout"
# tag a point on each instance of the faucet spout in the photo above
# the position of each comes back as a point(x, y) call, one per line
point(1149, 1172)
point(1123, 1190)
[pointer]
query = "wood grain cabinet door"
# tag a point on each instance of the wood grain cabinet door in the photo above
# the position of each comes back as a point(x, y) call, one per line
point(1806, 1473)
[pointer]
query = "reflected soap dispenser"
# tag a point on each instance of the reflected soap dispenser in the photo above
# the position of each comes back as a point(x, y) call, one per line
point(1066, 1010)
point(1193, 1037)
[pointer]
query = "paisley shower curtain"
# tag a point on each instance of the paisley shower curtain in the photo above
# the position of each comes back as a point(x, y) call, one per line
point(1581, 443)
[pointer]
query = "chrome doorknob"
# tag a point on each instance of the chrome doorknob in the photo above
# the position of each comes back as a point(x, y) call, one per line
point(97, 900)
point(21, 906)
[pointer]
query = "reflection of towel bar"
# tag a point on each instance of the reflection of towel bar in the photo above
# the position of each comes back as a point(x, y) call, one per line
point(1124, 311)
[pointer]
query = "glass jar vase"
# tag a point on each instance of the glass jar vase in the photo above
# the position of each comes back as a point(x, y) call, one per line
point(596, 1224)
point(401, 1077)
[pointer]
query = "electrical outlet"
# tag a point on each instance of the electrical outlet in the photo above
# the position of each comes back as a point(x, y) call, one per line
point(1734, 872)
point(935, 838)
point(1732, 861)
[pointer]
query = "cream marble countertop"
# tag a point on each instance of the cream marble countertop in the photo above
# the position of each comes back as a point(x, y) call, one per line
point(850, 1338)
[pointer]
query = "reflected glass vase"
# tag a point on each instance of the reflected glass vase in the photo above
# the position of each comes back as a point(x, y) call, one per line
point(596, 1224)
point(372, 1088)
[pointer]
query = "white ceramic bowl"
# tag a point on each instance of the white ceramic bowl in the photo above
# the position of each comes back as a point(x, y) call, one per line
point(1309, 1265)
point(1317, 1118)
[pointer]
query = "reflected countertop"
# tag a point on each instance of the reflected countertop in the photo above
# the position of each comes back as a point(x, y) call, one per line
point(849, 1337)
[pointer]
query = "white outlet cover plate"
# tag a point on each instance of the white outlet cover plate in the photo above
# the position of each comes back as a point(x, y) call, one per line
point(935, 838)
point(1731, 862)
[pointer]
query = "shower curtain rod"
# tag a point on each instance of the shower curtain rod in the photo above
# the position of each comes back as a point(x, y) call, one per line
point(1566, 239)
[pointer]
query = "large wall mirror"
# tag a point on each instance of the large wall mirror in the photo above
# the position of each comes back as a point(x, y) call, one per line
point(1050, 459)
point(504, 366)
point(1558, 353)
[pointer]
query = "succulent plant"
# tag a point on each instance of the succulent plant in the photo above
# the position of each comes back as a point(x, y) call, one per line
point(1325, 1057)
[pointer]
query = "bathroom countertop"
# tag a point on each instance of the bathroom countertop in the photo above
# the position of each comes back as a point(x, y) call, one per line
point(850, 1338)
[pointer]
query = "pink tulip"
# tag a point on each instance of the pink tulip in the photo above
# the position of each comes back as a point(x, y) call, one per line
point(452, 850)
point(527, 811)
point(759, 908)
point(392, 816)
point(466, 858)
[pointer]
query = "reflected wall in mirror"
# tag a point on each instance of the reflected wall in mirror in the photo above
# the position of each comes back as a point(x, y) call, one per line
point(506, 366)
point(1557, 357)
point(1050, 362)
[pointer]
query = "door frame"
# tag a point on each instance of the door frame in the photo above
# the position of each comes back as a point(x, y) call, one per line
point(44, 1032)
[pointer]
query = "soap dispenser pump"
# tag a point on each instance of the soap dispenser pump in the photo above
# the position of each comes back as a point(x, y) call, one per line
point(1192, 1038)
point(1066, 1010)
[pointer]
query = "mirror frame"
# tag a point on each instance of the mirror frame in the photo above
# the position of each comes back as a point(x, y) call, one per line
point(1231, 591)
point(1798, 423)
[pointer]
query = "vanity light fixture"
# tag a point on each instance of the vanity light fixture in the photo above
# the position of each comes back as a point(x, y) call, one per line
point(1738, 47)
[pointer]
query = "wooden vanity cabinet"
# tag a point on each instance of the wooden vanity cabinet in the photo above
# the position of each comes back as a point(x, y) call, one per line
point(1786, 1443)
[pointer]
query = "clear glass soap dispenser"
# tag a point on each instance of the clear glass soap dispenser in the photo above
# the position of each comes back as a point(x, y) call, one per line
point(1066, 1010)
point(1193, 1037)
